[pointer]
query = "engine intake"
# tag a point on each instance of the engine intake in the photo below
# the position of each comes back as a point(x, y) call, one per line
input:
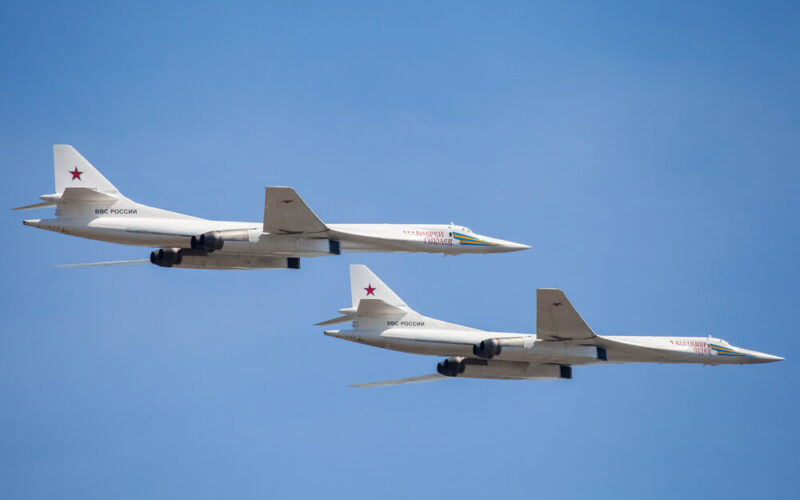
point(487, 349)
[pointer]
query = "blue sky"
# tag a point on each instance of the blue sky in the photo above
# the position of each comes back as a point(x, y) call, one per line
point(647, 151)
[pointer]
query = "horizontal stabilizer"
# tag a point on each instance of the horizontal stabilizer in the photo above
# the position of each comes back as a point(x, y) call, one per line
point(369, 308)
point(88, 195)
point(556, 319)
point(72, 195)
point(340, 319)
point(400, 381)
point(43, 204)
point(286, 213)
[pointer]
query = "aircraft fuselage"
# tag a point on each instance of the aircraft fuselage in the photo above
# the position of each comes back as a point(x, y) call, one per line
point(602, 349)
point(163, 232)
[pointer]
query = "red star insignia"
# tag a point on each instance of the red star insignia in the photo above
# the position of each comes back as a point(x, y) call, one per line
point(76, 174)
point(370, 289)
point(556, 304)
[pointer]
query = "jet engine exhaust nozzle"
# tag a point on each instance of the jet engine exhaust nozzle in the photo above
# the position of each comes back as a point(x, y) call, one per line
point(208, 242)
point(451, 367)
point(166, 257)
point(487, 349)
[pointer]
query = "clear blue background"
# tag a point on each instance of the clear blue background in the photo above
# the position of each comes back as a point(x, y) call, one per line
point(647, 151)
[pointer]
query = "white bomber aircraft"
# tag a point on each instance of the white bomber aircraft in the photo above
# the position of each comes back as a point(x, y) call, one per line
point(382, 319)
point(89, 206)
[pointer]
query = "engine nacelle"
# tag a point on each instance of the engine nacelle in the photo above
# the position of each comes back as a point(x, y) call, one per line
point(215, 240)
point(498, 369)
point(167, 257)
point(208, 242)
point(197, 259)
point(487, 349)
point(451, 367)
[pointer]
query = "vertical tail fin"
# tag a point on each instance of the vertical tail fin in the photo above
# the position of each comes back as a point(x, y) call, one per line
point(73, 170)
point(364, 284)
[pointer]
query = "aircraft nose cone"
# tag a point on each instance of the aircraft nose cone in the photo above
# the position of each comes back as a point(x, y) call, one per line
point(769, 358)
point(762, 357)
point(510, 246)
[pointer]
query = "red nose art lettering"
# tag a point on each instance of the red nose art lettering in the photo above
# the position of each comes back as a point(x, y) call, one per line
point(370, 289)
point(76, 174)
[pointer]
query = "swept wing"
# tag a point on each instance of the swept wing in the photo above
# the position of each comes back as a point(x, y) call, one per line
point(557, 319)
point(286, 213)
